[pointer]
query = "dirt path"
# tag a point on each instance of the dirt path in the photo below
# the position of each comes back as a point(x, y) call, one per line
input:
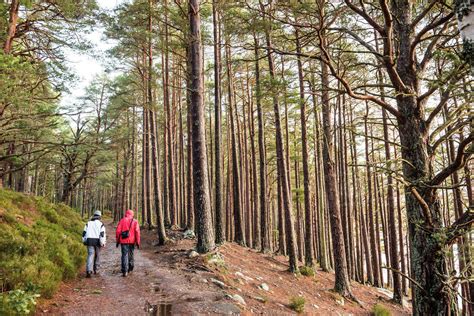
point(155, 287)
point(166, 281)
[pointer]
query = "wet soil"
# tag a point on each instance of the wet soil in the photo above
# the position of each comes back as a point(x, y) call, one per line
point(155, 287)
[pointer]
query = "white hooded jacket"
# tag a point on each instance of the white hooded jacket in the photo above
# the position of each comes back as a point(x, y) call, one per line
point(94, 233)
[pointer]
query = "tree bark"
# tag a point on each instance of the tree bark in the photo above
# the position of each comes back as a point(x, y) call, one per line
point(264, 231)
point(12, 24)
point(153, 130)
point(304, 148)
point(282, 166)
point(397, 285)
point(342, 284)
point(205, 233)
point(239, 236)
point(217, 127)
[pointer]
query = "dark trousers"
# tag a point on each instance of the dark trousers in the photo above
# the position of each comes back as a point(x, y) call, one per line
point(127, 257)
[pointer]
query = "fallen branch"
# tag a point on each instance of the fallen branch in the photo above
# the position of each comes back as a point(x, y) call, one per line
point(171, 250)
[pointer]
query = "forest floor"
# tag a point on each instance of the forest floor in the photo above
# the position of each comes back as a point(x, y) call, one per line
point(233, 280)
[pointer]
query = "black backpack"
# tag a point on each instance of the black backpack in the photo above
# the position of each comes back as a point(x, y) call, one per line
point(126, 233)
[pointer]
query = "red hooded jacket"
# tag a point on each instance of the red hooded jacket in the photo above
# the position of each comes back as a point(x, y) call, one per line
point(133, 228)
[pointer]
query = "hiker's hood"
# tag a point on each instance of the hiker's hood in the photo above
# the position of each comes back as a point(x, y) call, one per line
point(129, 213)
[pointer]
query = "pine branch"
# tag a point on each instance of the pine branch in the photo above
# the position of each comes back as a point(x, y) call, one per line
point(459, 161)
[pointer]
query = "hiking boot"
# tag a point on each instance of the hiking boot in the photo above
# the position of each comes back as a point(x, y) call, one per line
point(95, 272)
point(88, 274)
point(124, 274)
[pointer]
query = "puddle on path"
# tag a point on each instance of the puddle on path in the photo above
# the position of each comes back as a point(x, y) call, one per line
point(160, 309)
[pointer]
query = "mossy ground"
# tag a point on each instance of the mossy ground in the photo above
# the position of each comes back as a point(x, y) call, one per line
point(40, 245)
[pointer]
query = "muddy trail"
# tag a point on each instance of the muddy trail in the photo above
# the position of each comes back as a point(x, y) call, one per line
point(162, 283)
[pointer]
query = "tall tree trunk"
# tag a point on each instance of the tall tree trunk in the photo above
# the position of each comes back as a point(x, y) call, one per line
point(156, 181)
point(148, 148)
point(247, 173)
point(369, 207)
point(427, 258)
point(264, 225)
point(217, 127)
point(132, 185)
point(397, 285)
point(190, 224)
point(342, 284)
point(239, 236)
point(319, 200)
point(153, 138)
point(282, 166)
point(257, 243)
point(340, 162)
point(205, 233)
point(346, 188)
point(170, 211)
point(304, 149)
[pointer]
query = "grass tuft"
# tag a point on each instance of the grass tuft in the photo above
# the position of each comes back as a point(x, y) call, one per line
point(380, 310)
point(297, 304)
point(307, 271)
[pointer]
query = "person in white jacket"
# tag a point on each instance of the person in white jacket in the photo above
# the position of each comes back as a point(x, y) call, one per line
point(94, 238)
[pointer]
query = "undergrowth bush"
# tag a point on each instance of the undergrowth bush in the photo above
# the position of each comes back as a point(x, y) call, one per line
point(297, 304)
point(40, 246)
point(17, 302)
point(307, 271)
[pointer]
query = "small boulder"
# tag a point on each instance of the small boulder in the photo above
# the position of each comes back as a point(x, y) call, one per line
point(223, 308)
point(260, 299)
point(218, 283)
point(240, 275)
point(265, 287)
point(193, 254)
point(189, 234)
point(239, 299)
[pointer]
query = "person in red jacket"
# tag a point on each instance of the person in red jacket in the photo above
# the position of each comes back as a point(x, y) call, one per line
point(128, 236)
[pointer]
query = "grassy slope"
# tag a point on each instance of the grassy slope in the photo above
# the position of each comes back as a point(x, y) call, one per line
point(40, 244)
